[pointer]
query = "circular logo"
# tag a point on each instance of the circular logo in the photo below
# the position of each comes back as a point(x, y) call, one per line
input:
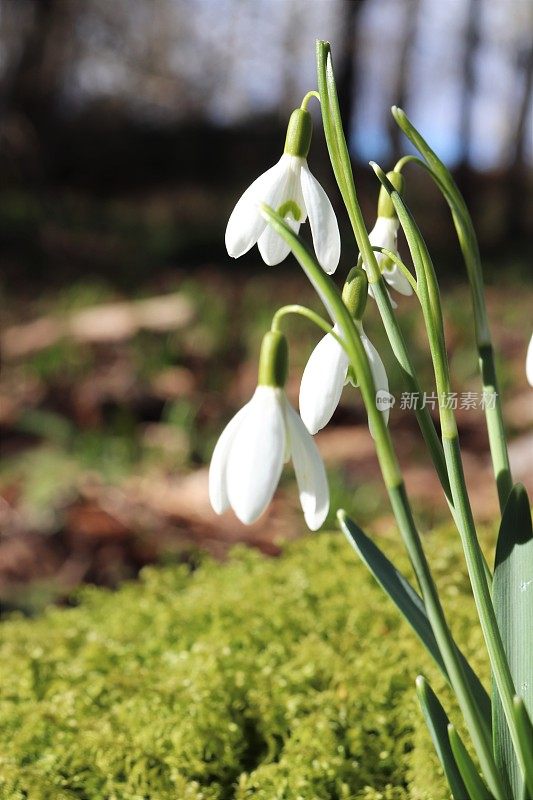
point(384, 400)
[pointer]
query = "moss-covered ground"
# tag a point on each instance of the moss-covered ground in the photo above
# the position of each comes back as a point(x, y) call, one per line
point(274, 679)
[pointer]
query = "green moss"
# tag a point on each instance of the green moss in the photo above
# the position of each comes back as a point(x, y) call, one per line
point(289, 679)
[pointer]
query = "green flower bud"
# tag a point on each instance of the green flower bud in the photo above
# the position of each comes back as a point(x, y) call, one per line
point(355, 292)
point(385, 204)
point(299, 132)
point(273, 360)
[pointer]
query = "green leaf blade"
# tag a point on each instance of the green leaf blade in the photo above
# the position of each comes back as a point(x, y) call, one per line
point(437, 722)
point(513, 604)
point(525, 732)
point(408, 602)
point(476, 789)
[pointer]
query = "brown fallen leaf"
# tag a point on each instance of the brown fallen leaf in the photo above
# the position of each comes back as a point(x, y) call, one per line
point(21, 340)
point(106, 322)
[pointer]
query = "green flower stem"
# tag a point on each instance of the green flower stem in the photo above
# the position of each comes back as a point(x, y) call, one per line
point(332, 299)
point(439, 452)
point(312, 316)
point(329, 293)
point(343, 172)
point(470, 250)
point(429, 300)
point(479, 727)
point(495, 425)
point(307, 98)
point(425, 422)
point(342, 169)
point(340, 158)
point(525, 729)
point(401, 163)
point(436, 302)
point(427, 282)
point(341, 164)
point(273, 360)
point(399, 263)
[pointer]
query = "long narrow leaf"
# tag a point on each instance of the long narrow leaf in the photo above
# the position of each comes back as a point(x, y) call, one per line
point(437, 722)
point(476, 789)
point(513, 603)
point(525, 728)
point(470, 249)
point(408, 602)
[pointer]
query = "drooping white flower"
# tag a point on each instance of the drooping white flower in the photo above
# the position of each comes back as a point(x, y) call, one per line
point(322, 382)
point(291, 190)
point(385, 234)
point(249, 455)
point(529, 362)
point(327, 370)
point(325, 375)
point(248, 459)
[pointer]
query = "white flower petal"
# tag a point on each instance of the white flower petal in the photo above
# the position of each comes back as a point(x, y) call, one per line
point(384, 234)
point(299, 196)
point(218, 495)
point(246, 224)
point(324, 227)
point(529, 362)
point(293, 188)
point(395, 278)
point(381, 382)
point(322, 382)
point(272, 247)
point(256, 455)
point(309, 470)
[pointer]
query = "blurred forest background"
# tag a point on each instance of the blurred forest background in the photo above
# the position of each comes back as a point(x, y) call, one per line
point(128, 129)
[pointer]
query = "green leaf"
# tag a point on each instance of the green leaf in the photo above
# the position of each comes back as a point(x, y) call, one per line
point(525, 732)
point(437, 722)
point(470, 250)
point(476, 789)
point(408, 602)
point(513, 604)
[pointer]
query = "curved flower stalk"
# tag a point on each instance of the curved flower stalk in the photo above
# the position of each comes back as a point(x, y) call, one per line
point(248, 458)
point(467, 239)
point(327, 370)
point(290, 188)
point(529, 362)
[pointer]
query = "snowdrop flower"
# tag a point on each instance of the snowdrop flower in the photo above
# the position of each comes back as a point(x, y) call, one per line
point(385, 234)
point(326, 372)
point(248, 458)
point(529, 362)
point(290, 189)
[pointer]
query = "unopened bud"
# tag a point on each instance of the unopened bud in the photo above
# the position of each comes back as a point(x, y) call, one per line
point(355, 292)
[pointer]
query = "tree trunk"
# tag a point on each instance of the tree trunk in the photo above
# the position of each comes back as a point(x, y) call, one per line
point(517, 183)
point(346, 72)
point(464, 173)
point(401, 84)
